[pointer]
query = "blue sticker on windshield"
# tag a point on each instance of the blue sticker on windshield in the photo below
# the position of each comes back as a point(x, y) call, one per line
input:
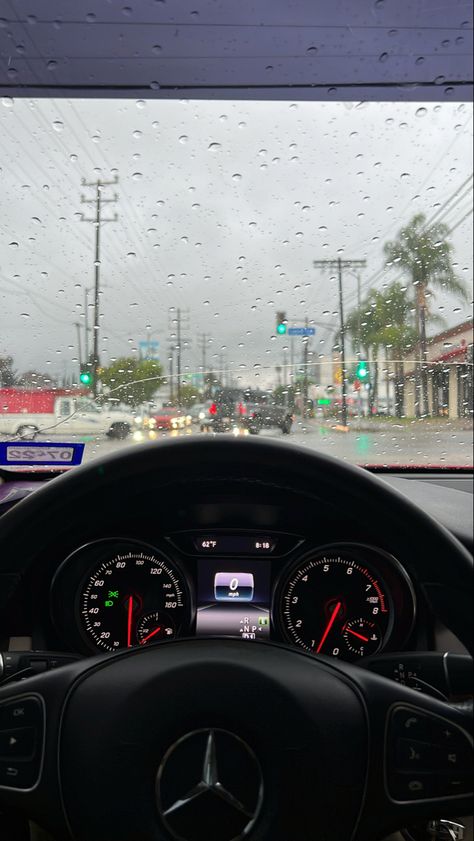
point(33, 453)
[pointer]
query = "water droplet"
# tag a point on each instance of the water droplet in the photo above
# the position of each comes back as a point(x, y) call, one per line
point(223, 118)
point(52, 65)
point(236, 176)
point(137, 176)
point(155, 124)
point(155, 86)
point(294, 159)
point(214, 147)
point(439, 80)
point(312, 50)
point(206, 303)
point(7, 101)
point(421, 112)
point(293, 106)
point(157, 49)
point(58, 125)
point(31, 19)
point(183, 139)
point(404, 176)
point(25, 315)
point(252, 224)
point(137, 134)
point(90, 17)
point(420, 60)
point(140, 103)
point(263, 166)
point(322, 228)
point(383, 57)
point(131, 255)
point(445, 43)
point(13, 244)
point(12, 73)
point(195, 206)
point(242, 124)
point(448, 91)
point(95, 138)
point(269, 67)
point(36, 220)
point(127, 11)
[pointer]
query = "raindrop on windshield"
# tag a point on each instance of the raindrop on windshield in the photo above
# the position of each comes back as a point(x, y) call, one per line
point(7, 101)
point(13, 244)
point(58, 125)
point(312, 50)
point(236, 176)
point(52, 65)
point(90, 17)
point(421, 112)
point(214, 147)
point(183, 139)
point(140, 103)
point(137, 176)
point(137, 134)
point(25, 315)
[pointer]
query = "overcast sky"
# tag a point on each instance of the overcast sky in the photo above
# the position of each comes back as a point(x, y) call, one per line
point(222, 208)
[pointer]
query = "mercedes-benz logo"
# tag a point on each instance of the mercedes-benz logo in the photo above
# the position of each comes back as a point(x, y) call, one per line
point(209, 786)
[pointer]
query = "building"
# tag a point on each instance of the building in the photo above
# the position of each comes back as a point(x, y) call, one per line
point(449, 373)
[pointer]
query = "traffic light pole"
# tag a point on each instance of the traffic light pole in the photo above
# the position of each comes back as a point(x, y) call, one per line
point(340, 265)
point(97, 222)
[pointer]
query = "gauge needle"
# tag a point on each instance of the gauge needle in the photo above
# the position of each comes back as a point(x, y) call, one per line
point(329, 626)
point(149, 636)
point(355, 634)
point(129, 621)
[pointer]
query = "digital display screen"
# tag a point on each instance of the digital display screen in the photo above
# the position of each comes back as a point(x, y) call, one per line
point(234, 598)
point(235, 544)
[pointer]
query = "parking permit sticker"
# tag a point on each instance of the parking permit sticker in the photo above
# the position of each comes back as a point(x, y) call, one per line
point(29, 453)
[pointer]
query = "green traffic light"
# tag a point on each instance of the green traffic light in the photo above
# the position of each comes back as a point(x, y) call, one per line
point(85, 377)
point(362, 370)
point(281, 329)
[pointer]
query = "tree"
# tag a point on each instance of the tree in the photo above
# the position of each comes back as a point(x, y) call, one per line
point(132, 381)
point(34, 379)
point(424, 253)
point(7, 374)
point(189, 395)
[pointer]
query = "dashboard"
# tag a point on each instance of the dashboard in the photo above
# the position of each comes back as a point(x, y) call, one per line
point(347, 600)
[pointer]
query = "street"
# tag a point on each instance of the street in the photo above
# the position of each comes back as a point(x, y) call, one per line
point(389, 444)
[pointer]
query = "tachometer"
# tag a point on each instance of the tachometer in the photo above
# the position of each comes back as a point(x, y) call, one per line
point(335, 602)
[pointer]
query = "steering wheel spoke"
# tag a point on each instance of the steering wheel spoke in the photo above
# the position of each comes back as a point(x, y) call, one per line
point(420, 758)
point(30, 716)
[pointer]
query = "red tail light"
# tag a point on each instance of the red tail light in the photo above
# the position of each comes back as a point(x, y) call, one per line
point(242, 410)
point(213, 409)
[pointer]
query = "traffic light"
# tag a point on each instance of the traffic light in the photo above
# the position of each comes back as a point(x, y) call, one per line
point(281, 323)
point(362, 371)
point(85, 377)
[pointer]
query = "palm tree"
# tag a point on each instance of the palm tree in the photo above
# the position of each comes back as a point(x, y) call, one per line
point(423, 251)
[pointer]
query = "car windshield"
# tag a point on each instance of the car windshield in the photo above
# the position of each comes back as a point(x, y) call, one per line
point(300, 270)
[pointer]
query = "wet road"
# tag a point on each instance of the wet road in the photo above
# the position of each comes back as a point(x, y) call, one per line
point(393, 445)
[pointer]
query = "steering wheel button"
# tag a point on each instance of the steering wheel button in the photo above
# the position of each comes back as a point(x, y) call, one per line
point(409, 724)
point(17, 744)
point(20, 713)
point(452, 784)
point(17, 774)
point(415, 786)
point(413, 755)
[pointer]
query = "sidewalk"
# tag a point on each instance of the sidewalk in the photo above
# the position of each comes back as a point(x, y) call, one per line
point(382, 425)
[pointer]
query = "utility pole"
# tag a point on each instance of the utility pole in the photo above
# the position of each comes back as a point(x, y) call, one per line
point(203, 348)
point(97, 221)
point(170, 357)
point(178, 322)
point(305, 372)
point(79, 349)
point(341, 265)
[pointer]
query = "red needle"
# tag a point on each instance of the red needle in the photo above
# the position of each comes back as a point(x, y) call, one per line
point(329, 626)
point(149, 636)
point(355, 634)
point(129, 622)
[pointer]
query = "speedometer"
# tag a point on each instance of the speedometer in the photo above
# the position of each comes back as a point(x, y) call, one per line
point(128, 594)
point(336, 601)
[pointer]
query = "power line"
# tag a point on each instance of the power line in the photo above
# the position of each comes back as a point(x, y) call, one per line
point(449, 200)
point(469, 213)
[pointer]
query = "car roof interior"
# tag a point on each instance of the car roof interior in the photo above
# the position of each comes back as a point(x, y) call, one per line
point(276, 50)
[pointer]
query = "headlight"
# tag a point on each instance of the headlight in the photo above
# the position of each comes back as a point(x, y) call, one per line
point(202, 415)
point(137, 420)
point(151, 422)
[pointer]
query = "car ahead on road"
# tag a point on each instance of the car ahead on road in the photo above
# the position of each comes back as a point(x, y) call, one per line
point(169, 417)
point(199, 411)
point(236, 409)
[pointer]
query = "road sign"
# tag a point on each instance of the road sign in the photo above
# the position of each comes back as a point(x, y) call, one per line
point(301, 331)
point(149, 349)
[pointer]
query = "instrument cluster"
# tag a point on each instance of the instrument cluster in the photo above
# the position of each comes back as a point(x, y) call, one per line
point(345, 600)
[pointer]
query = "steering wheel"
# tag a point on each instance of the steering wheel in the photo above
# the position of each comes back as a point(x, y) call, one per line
point(218, 739)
